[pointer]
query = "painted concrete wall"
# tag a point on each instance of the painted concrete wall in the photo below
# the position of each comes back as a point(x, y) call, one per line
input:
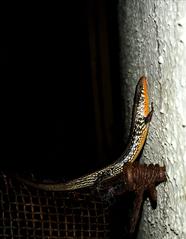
point(153, 42)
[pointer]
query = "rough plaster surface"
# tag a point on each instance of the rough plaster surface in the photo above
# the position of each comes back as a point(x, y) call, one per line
point(153, 42)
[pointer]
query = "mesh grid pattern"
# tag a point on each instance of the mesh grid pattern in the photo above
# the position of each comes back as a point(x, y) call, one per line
point(30, 213)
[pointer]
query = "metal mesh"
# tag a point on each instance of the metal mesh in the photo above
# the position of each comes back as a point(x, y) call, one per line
point(26, 212)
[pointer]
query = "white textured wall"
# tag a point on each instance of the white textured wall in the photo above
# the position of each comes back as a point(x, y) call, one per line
point(153, 42)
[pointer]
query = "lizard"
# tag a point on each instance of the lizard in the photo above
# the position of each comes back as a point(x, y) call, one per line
point(141, 118)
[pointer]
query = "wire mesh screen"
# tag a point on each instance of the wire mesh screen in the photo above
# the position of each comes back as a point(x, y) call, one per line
point(26, 212)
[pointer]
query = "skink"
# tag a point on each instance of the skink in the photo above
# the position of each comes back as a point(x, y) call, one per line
point(141, 118)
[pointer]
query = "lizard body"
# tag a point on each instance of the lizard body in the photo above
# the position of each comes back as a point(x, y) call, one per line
point(139, 129)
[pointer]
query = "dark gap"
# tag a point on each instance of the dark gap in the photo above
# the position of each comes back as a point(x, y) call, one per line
point(68, 107)
point(3, 55)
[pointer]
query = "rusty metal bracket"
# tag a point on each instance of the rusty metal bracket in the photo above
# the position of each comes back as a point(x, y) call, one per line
point(140, 179)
